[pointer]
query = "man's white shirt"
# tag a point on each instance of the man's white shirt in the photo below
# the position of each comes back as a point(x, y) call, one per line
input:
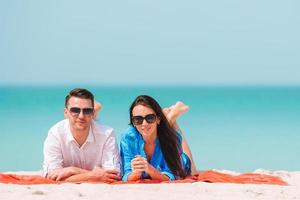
point(61, 149)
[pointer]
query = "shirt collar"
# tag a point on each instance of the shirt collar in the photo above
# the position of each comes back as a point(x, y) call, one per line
point(89, 139)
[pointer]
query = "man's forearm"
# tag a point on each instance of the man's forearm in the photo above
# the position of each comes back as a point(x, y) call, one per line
point(85, 176)
point(64, 173)
point(96, 175)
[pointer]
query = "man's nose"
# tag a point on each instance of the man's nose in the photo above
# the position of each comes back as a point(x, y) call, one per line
point(81, 115)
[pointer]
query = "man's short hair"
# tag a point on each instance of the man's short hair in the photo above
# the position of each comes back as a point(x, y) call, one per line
point(80, 93)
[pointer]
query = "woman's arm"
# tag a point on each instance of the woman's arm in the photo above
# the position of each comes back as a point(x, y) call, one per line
point(127, 153)
point(140, 165)
point(156, 175)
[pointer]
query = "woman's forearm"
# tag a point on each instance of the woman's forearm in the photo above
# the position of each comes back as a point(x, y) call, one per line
point(134, 176)
point(156, 175)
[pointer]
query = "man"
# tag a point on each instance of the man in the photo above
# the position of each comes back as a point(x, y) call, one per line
point(78, 148)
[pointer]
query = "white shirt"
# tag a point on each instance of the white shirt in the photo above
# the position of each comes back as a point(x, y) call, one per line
point(61, 149)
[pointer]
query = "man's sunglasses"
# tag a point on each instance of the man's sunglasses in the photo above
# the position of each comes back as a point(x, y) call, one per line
point(138, 120)
point(85, 111)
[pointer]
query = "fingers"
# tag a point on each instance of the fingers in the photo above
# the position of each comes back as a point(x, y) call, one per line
point(110, 180)
point(113, 177)
point(60, 174)
point(138, 158)
point(139, 164)
point(99, 173)
point(59, 177)
point(139, 168)
point(55, 176)
point(51, 176)
point(112, 171)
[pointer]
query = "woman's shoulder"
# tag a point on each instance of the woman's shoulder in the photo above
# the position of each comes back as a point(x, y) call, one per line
point(130, 133)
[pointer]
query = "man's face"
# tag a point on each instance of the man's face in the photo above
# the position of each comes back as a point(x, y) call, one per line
point(80, 113)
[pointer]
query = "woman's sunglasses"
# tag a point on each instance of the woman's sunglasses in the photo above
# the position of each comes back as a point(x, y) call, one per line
point(85, 111)
point(138, 120)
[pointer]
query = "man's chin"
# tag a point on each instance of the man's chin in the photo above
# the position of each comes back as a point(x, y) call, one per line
point(81, 127)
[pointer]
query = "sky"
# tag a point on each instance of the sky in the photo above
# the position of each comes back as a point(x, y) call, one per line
point(134, 42)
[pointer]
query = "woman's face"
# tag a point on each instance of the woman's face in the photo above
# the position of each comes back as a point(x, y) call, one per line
point(146, 121)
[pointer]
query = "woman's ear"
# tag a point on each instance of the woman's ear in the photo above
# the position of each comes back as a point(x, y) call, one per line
point(158, 120)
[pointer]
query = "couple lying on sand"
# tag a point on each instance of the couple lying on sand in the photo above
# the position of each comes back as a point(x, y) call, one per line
point(153, 147)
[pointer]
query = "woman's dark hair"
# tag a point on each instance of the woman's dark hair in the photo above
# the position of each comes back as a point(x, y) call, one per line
point(80, 93)
point(168, 140)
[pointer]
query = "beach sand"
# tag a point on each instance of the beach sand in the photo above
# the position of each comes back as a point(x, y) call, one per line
point(198, 190)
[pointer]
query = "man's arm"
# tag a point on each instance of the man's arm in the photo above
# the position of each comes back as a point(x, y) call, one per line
point(110, 165)
point(98, 174)
point(110, 154)
point(62, 174)
point(108, 172)
point(53, 159)
point(75, 174)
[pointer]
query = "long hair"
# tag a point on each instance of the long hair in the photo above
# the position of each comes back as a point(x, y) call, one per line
point(168, 140)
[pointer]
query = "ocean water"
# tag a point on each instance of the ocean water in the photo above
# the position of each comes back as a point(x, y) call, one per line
point(232, 128)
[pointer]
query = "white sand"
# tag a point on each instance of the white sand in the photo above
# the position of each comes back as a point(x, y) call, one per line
point(189, 191)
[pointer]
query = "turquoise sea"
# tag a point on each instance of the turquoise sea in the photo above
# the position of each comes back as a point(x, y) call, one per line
point(233, 128)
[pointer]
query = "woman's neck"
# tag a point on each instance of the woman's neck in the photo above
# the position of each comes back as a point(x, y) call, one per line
point(149, 147)
point(150, 139)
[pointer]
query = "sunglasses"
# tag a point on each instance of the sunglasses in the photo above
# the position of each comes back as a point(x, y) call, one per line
point(138, 120)
point(85, 111)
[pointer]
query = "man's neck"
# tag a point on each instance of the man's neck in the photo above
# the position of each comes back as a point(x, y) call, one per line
point(80, 135)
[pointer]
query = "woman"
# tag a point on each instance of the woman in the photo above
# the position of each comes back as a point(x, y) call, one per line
point(150, 147)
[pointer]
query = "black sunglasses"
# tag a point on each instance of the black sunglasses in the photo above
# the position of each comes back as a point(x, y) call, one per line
point(138, 120)
point(85, 111)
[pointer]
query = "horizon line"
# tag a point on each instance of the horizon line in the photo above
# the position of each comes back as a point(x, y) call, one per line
point(144, 85)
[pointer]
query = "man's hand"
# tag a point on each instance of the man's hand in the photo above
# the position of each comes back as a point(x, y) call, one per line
point(74, 174)
point(61, 174)
point(106, 175)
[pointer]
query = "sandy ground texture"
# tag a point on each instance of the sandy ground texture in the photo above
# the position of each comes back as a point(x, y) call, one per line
point(197, 190)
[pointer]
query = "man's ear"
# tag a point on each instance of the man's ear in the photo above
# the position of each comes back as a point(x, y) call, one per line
point(65, 112)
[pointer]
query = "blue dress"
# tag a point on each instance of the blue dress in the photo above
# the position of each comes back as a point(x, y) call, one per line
point(132, 144)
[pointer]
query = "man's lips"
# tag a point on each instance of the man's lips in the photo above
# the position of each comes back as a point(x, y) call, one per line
point(81, 122)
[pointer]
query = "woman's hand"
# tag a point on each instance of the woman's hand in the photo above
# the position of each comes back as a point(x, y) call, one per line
point(139, 164)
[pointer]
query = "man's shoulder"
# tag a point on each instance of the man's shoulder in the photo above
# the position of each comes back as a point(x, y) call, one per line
point(101, 129)
point(60, 127)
